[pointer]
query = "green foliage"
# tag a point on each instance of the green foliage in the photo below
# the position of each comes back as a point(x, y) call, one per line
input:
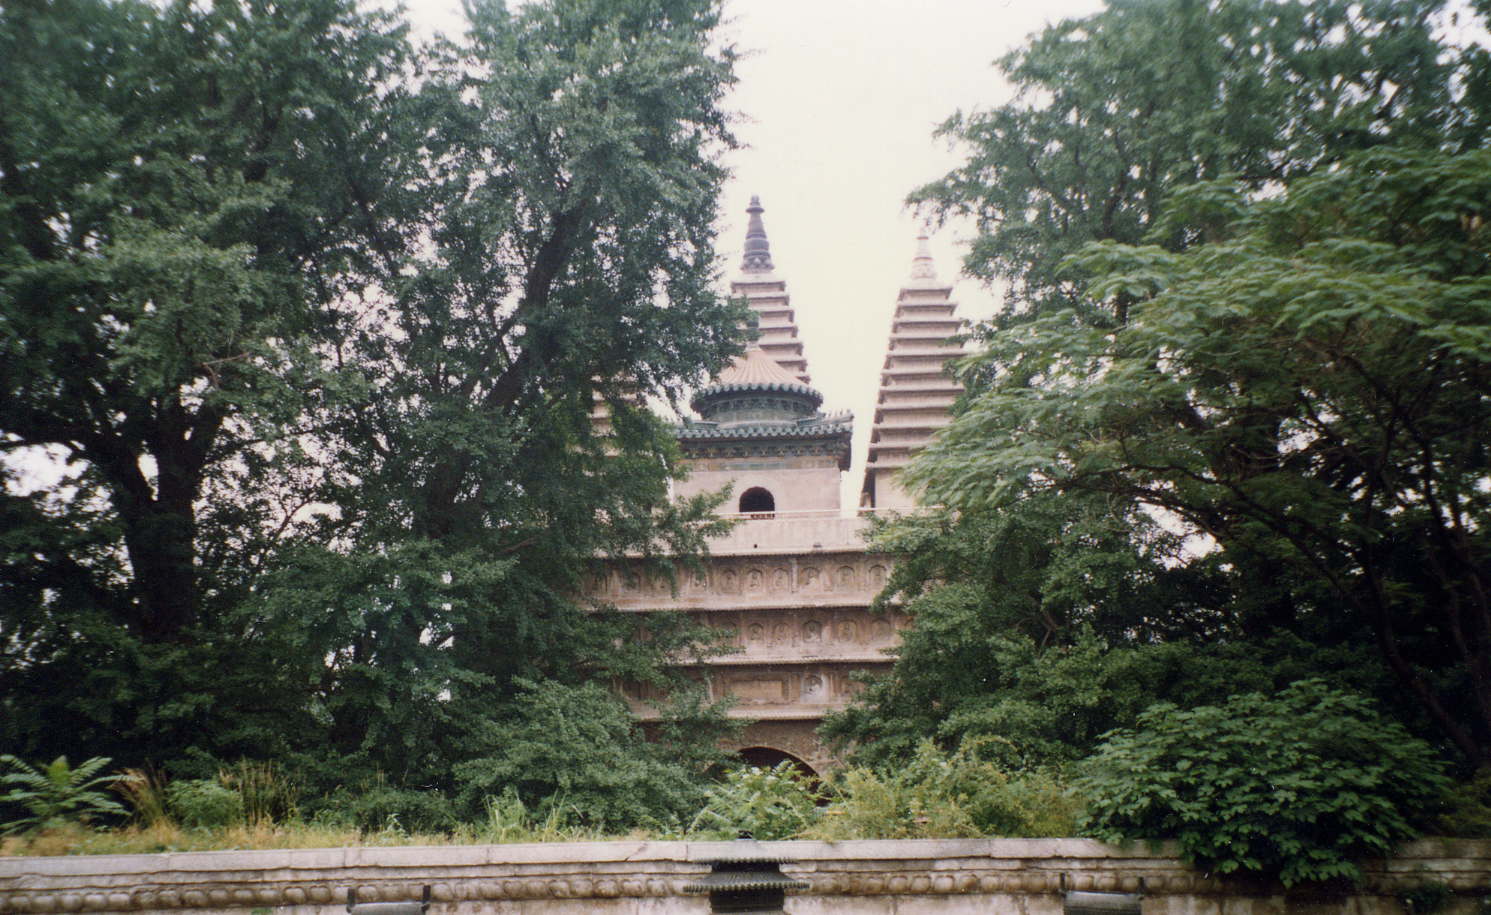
point(1429, 896)
point(375, 805)
point(1296, 390)
point(56, 795)
point(576, 748)
point(320, 351)
point(204, 802)
point(1467, 808)
point(145, 790)
point(1115, 111)
point(934, 794)
point(1299, 785)
point(776, 803)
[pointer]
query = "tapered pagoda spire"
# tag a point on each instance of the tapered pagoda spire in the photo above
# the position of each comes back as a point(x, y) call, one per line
point(759, 285)
point(757, 258)
point(916, 391)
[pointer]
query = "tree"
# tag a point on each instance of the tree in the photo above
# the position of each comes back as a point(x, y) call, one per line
point(169, 243)
point(1117, 110)
point(185, 191)
point(564, 258)
point(1310, 386)
point(319, 326)
point(1117, 113)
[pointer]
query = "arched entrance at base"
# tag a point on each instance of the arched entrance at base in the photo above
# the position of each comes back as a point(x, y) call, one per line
point(767, 757)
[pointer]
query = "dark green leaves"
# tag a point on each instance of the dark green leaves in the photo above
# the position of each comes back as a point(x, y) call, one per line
point(1298, 785)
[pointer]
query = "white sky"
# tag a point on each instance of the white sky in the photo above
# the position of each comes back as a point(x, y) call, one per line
point(839, 99)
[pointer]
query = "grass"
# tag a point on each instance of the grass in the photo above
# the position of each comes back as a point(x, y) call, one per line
point(154, 831)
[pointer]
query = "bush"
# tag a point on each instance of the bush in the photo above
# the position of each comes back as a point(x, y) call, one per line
point(941, 795)
point(776, 803)
point(576, 750)
point(1297, 786)
point(203, 802)
point(376, 806)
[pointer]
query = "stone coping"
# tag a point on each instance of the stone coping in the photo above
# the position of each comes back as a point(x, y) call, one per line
point(1070, 850)
point(638, 876)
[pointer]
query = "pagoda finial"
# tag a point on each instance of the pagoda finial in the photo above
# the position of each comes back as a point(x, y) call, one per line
point(757, 249)
point(922, 267)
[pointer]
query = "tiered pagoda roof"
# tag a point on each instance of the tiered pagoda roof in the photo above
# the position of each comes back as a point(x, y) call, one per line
point(916, 391)
point(764, 401)
point(765, 292)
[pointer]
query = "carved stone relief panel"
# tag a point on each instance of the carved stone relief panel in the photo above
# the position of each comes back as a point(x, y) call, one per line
point(759, 689)
point(877, 576)
point(813, 688)
point(812, 631)
point(755, 580)
point(809, 578)
point(779, 580)
point(844, 578)
point(848, 631)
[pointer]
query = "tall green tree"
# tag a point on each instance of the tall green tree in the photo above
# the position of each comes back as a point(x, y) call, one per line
point(318, 321)
point(564, 259)
point(1115, 115)
point(185, 192)
point(1311, 385)
point(168, 243)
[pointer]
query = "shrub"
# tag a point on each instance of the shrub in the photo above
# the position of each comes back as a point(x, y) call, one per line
point(56, 795)
point(1298, 786)
point(940, 795)
point(374, 805)
point(776, 803)
point(204, 802)
point(577, 750)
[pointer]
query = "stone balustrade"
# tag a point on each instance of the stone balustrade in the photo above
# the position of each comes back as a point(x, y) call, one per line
point(946, 877)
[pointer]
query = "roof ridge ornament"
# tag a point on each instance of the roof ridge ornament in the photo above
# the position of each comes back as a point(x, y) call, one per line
point(922, 267)
point(757, 257)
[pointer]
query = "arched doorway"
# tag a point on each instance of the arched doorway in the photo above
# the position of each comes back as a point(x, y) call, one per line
point(756, 501)
point(768, 757)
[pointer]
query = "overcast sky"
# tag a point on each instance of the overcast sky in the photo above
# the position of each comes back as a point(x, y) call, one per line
point(839, 99)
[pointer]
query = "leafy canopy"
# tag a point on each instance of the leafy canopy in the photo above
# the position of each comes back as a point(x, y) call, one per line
point(1300, 389)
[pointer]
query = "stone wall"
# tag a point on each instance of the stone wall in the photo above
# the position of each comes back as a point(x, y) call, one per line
point(944, 877)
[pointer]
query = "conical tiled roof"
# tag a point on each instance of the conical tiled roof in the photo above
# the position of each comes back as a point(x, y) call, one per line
point(750, 377)
point(756, 368)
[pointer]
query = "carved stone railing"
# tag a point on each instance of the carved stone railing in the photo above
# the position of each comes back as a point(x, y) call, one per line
point(1028, 876)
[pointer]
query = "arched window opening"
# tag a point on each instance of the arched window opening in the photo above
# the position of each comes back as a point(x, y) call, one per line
point(757, 502)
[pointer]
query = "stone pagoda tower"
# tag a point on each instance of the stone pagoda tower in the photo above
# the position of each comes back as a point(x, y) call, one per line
point(916, 391)
point(791, 583)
